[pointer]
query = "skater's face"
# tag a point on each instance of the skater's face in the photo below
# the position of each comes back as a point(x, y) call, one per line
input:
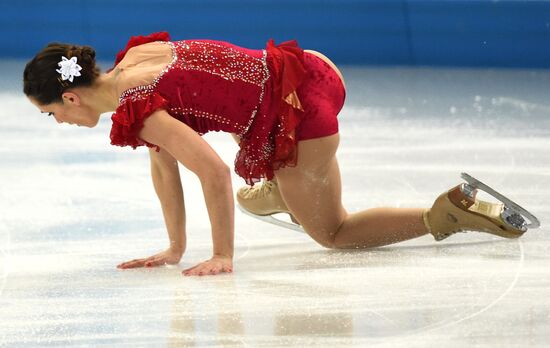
point(71, 110)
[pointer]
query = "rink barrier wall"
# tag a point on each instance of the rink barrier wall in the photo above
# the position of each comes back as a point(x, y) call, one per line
point(367, 32)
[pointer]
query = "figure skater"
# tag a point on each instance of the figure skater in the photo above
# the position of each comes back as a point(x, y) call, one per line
point(281, 105)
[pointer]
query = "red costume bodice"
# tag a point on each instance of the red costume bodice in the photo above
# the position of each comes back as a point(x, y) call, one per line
point(216, 86)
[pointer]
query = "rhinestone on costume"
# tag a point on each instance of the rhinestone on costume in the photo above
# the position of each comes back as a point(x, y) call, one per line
point(192, 58)
point(216, 59)
point(143, 91)
point(262, 93)
point(224, 61)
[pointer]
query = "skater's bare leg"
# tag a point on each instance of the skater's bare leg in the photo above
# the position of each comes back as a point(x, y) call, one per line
point(312, 192)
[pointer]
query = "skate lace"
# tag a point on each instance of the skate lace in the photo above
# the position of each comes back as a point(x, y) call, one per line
point(261, 191)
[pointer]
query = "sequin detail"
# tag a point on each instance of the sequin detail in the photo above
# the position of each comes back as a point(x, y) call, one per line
point(215, 59)
point(262, 93)
point(140, 92)
point(203, 114)
point(224, 61)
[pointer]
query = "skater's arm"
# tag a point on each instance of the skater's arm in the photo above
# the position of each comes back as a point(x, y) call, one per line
point(167, 183)
point(166, 180)
point(185, 145)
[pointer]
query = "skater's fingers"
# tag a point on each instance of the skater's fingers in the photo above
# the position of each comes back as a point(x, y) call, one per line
point(192, 268)
point(124, 263)
point(213, 266)
point(200, 270)
point(220, 269)
point(155, 262)
point(225, 269)
point(133, 264)
point(217, 269)
point(151, 259)
point(189, 270)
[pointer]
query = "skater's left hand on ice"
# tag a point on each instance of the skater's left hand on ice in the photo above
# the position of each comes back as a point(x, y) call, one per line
point(217, 264)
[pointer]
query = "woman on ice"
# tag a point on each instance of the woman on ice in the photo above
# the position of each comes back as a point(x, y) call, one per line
point(280, 103)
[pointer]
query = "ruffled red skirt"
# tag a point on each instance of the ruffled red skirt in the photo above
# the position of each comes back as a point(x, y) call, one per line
point(304, 96)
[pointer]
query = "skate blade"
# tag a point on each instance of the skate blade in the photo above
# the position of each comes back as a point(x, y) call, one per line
point(533, 221)
point(270, 219)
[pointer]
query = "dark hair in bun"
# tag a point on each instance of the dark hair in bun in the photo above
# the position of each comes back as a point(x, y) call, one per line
point(42, 82)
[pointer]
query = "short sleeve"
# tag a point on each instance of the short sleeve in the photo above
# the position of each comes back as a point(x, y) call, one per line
point(129, 117)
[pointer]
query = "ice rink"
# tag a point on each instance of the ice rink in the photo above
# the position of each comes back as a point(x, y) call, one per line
point(73, 207)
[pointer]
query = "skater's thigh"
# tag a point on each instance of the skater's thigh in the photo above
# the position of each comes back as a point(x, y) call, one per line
point(312, 189)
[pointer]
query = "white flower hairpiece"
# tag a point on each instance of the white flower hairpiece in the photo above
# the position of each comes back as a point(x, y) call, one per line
point(68, 68)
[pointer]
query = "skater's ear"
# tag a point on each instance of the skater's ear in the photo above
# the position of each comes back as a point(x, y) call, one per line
point(70, 98)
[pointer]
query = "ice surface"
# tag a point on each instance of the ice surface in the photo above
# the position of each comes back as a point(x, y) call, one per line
point(73, 207)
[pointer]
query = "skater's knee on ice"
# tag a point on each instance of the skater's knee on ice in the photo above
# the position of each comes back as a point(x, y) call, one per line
point(327, 243)
point(333, 243)
point(326, 240)
point(325, 234)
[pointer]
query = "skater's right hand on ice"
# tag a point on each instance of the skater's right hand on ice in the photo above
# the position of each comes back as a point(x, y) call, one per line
point(167, 257)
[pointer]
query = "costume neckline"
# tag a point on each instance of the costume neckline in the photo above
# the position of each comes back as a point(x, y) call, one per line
point(148, 88)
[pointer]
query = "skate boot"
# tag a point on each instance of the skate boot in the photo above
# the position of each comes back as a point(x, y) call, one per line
point(458, 210)
point(262, 201)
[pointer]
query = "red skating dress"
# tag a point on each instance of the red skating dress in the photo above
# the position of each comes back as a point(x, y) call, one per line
point(270, 98)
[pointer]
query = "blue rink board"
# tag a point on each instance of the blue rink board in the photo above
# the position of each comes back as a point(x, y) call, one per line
point(450, 33)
